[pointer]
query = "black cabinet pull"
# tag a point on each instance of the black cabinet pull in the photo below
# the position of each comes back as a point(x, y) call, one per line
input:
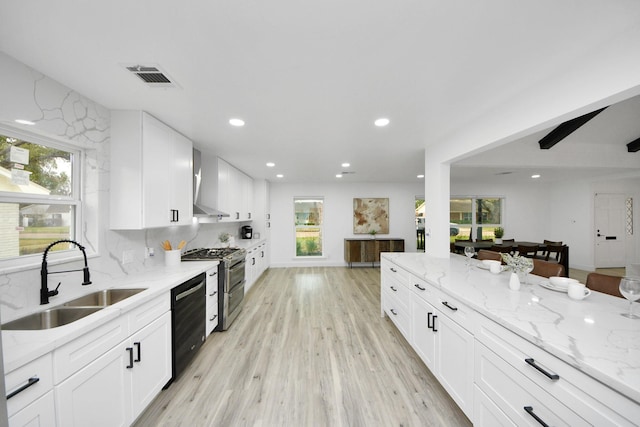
point(533, 363)
point(417, 285)
point(213, 274)
point(31, 381)
point(393, 269)
point(393, 312)
point(237, 215)
point(130, 350)
point(429, 320)
point(529, 410)
point(213, 318)
point(433, 324)
point(446, 304)
point(393, 289)
point(214, 292)
point(261, 254)
point(253, 261)
point(137, 344)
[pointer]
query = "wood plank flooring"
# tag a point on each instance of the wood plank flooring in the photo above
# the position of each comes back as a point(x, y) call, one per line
point(309, 349)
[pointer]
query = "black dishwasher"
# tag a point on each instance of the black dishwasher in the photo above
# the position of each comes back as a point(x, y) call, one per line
point(188, 312)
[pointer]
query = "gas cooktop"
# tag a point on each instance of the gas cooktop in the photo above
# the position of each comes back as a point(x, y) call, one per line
point(212, 254)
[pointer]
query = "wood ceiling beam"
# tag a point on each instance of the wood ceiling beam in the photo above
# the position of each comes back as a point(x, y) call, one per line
point(565, 129)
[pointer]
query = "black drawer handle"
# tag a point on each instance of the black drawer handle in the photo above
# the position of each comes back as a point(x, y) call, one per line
point(393, 289)
point(433, 325)
point(213, 274)
point(214, 292)
point(137, 344)
point(446, 304)
point(420, 287)
point(393, 312)
point(31, 381)
point(130, 350)
point(393, 269)
point(213, 318)
point(431, 321)
point(533, 363)
point(529, 410)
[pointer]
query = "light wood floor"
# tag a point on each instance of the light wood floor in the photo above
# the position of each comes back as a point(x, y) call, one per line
point(308, 349)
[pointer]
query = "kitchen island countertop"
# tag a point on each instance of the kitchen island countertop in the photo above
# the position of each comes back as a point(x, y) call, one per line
point(590, 335)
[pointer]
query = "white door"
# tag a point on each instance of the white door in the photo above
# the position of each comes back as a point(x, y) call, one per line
point(609, 221)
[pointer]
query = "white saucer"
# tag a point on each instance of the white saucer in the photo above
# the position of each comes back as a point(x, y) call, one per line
point(547, 284)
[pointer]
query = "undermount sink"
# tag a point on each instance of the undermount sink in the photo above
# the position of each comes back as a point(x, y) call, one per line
point(51, 318)
point(103, 298)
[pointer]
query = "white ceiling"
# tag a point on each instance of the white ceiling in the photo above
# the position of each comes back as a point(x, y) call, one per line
point(308, 77)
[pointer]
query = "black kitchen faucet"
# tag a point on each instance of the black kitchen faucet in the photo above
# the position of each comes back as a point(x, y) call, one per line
point(45, 293)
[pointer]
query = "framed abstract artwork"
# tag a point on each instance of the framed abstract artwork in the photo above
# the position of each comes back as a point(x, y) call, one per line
point(370, 216)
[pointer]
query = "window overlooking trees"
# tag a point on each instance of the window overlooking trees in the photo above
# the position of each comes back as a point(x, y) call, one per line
point(477, 217)
point(39, 200)
point(308, 223)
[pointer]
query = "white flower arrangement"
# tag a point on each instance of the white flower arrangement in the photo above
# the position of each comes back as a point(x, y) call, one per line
point(517, 262)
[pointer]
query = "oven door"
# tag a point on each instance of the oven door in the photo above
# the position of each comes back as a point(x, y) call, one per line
point(234, 275)
point(236, 295)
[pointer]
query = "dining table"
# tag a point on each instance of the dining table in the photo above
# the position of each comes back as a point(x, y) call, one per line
point(461, 244)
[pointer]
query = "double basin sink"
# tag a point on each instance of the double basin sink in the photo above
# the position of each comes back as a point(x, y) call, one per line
point(71, 311)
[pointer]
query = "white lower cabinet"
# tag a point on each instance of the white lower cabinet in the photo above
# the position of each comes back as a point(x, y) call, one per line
point(447, 350)
point(486, 413)
point(121, 383)
point(39, 413)
point(99, 387)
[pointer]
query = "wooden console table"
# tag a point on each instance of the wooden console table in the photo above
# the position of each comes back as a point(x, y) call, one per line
point(368, 250)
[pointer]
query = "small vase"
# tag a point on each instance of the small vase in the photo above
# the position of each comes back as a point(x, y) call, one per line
point(514, 282)
point(498, 241)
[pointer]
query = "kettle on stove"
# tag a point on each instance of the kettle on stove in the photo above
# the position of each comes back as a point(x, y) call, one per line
point(246, 232)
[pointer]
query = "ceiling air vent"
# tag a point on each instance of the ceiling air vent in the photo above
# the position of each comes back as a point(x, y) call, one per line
point(151, 75)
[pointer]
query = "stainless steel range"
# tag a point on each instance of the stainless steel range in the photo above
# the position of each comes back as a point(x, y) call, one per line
point(230, 279)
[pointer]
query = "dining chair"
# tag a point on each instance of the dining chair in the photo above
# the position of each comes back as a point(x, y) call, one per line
point(604, 283)
point(553, 249)
point(547, 268)
point(487, 254)
point(501, 248)
point(528, 251)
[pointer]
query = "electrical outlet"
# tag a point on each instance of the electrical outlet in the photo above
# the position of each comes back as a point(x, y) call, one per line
point(149, 252)
point(128, 256)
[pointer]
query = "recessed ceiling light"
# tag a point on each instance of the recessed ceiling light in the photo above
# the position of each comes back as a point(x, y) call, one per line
point(338, 175)
point(236, 122)
point(279, 176)
point(381, 122)
point(346, 165)
point(535, 176)
point(25, 122)
point(270, 164)
point(420, 176)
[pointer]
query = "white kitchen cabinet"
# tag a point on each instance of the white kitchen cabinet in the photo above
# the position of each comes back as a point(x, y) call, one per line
point(151, 173)
point(212, 300)
point(121, 383)
point(515, 374)
point(39, 413)
point(434, 325)
point(121, 365)
point(227, 189)
point(30, 394)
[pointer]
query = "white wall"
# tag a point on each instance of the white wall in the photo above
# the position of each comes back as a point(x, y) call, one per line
point(338, 217)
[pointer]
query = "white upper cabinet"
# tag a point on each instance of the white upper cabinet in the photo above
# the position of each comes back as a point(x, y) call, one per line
point(151, 173)
point(227, 189)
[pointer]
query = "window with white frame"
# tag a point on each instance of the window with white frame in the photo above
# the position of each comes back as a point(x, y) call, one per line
point(308, 213)
point(39, 194)
point(477, 217)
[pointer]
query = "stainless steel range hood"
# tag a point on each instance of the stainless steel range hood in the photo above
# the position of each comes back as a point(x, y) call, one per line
point(200, 210)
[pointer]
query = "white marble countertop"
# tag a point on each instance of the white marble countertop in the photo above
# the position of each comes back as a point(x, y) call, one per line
point(590, 335)
point(21, 347)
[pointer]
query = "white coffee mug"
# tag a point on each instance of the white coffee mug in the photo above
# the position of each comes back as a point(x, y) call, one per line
point(578, 291)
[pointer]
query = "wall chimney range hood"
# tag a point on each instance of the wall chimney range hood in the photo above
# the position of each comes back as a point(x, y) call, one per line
point(200, 210)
